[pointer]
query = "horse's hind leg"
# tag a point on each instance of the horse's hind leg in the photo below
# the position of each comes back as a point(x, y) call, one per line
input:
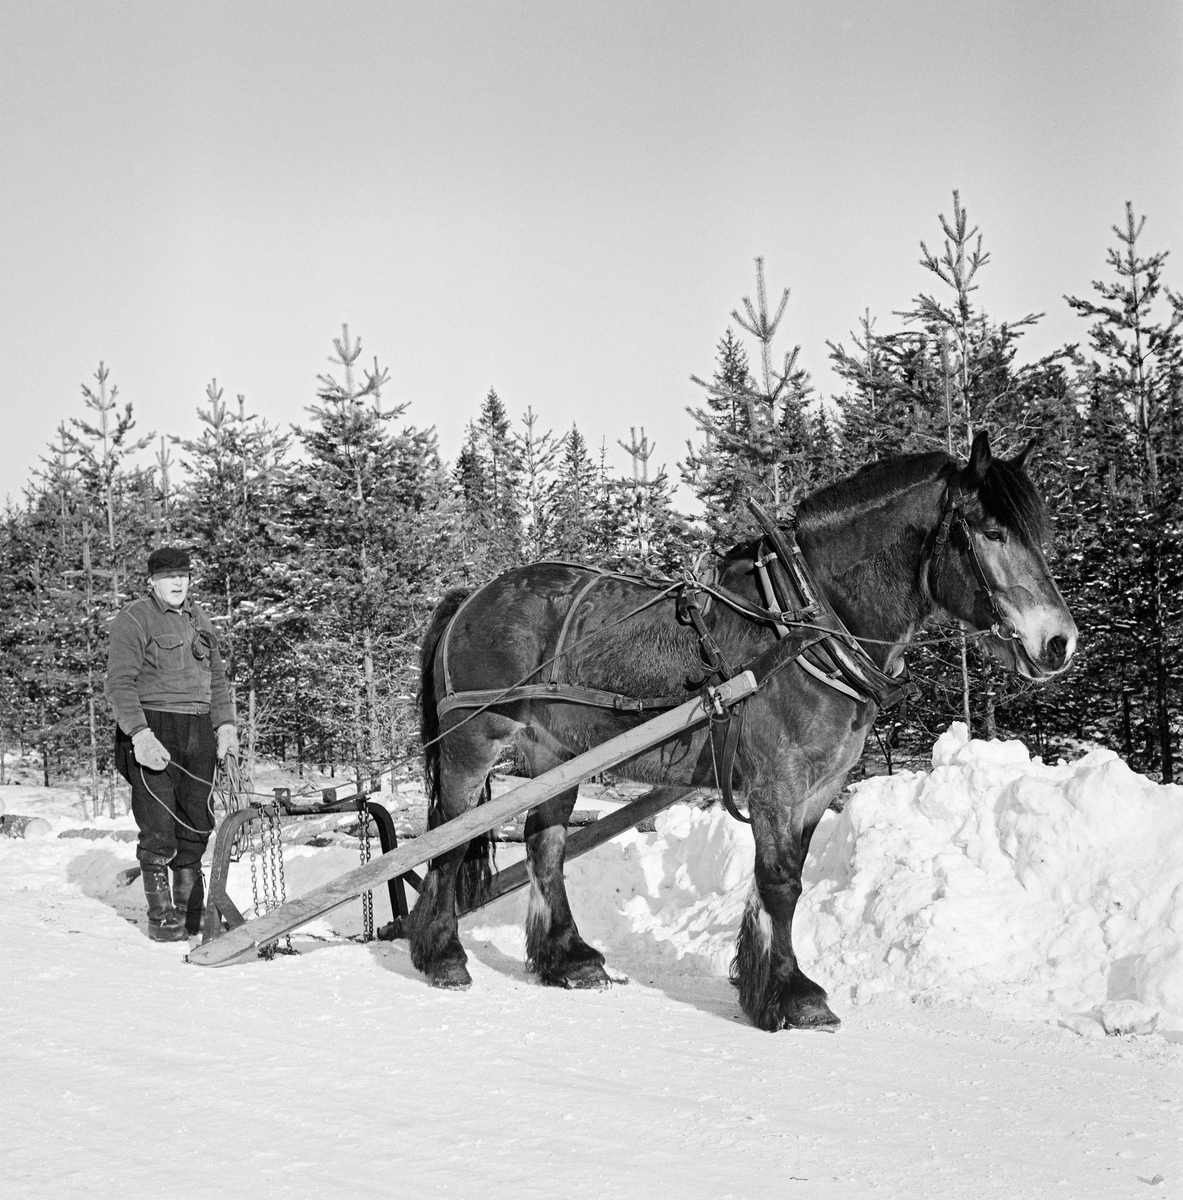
point(467, 757)
point(554, 948)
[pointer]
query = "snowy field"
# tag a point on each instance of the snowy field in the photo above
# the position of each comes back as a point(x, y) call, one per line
point(1002, 939)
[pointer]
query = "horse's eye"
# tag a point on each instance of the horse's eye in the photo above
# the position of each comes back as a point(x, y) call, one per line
point(995, 535)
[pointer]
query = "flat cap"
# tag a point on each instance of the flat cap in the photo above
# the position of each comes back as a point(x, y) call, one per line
point(168, 558)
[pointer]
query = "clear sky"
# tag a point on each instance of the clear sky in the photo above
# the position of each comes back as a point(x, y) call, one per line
point(560, 200)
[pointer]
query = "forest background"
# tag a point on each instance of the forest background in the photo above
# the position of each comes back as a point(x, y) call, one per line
point(321, 549)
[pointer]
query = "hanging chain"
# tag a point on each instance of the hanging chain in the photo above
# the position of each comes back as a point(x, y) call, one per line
point(267, 845)
point(250, 832)
point(280, 889)
point(269, 852)
point(367, 898)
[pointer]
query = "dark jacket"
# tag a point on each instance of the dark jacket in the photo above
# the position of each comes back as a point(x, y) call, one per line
point(167, 659)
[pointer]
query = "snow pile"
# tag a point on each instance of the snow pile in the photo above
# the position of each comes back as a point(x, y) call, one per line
point(997, 879)
point(993, 880)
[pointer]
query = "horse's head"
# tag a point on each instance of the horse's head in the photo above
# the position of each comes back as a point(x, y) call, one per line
point(988, 567)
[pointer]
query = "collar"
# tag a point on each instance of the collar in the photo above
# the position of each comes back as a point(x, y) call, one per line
point(186, 608)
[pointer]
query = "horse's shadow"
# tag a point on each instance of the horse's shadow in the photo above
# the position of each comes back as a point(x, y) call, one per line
point(494, 937)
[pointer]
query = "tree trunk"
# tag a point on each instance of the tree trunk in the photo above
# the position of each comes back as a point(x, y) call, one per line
point(373, 737)
point(965, 708)
point(251, 730)
point(94, 741)
point(1161, 682)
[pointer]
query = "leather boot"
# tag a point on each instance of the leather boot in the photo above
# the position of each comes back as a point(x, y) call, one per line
point(163, 923)
point(189, 897)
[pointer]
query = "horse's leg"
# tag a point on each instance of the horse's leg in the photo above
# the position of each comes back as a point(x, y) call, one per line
point(468, 755)
point(554, 948)
point(773, 990)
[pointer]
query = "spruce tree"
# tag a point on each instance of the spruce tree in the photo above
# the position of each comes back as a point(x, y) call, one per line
point(538, 451)
point(754, 428)
point(649, 534)
point(575, 517)
point(489, 482)
point(373, 530)
point(231, 515)
point(1135, 420)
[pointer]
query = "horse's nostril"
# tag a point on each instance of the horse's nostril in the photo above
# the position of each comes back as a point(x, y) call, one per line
point(1055, 651)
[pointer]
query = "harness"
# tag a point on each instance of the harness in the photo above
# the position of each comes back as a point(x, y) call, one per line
point(808, 632)
point(953, 521)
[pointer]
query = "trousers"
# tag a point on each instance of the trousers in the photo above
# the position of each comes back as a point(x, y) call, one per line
point(171, 809)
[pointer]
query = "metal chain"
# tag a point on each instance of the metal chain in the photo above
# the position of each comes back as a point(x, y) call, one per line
point(249, 828)
point(367, 898)
point(281, 891)
point(267, 854)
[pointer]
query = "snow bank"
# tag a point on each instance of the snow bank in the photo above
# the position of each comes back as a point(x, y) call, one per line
point(994, 879)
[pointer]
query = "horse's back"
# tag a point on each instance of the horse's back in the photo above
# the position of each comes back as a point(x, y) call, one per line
point(608, 630)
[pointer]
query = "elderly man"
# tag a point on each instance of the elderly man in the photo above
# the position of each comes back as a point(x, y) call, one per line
point(167, 687)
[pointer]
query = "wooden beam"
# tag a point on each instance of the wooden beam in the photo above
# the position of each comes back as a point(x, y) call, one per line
point(588, 838)
point(242, 944)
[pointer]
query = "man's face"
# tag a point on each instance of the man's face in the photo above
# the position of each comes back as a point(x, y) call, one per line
point(170, 587)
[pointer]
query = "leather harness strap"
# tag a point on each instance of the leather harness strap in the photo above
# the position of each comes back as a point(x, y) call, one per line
point(791, 596)
point(953, 519)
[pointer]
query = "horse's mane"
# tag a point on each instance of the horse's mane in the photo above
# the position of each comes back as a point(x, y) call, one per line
point(1006, 493)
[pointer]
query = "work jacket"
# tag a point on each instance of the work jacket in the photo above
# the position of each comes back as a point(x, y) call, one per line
point(167, 659)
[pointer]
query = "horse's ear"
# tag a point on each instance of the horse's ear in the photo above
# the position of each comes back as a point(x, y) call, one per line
point(1021, 461)
point(979, 457)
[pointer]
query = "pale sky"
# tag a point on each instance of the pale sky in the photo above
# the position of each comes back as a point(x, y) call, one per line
point(560, 200)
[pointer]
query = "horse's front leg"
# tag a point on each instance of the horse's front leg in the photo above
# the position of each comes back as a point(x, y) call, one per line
point(773, 990)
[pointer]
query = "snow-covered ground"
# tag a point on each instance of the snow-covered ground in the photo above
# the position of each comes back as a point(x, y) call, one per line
point(980, 928)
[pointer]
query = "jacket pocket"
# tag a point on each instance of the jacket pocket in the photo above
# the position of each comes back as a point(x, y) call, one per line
point(168, 652)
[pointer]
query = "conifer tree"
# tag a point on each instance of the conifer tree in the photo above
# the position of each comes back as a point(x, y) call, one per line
point(649, 534)
point(103, 447)
point(232, 517)
point(373, 534)
point(537, 452)
point(754, 427)
point(1136, 416)
point(337, 520)
point(575, 516)
point(489, 480)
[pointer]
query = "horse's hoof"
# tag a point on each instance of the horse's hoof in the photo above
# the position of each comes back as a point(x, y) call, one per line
point(584, 976)
point(454, 977)
point(811, 1014)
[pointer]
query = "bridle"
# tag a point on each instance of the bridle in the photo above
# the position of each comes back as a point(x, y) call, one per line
point(953, 518)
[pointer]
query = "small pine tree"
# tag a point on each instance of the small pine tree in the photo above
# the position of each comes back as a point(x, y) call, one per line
point(574, 516)
point(754, 429)
point(1136, 414)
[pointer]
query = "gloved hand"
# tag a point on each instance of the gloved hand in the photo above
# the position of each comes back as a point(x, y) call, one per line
point(227, 741)
point(150, 752)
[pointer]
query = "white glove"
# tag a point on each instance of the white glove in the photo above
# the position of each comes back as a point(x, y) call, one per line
point(227, 741)
point(149, 751)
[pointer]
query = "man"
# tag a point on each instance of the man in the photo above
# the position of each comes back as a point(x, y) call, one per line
point(167, 687)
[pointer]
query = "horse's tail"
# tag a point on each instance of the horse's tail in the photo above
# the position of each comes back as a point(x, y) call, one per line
point(476, 871)
point(429, 722)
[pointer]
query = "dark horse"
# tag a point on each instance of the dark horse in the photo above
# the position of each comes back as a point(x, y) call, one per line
point(882, 551)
